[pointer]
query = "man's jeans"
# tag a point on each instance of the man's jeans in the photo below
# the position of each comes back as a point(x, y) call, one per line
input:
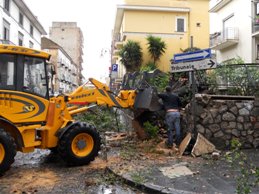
point(173, 122)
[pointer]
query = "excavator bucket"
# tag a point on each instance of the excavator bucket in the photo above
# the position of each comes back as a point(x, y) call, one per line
point(146, 93)
point(147, 99)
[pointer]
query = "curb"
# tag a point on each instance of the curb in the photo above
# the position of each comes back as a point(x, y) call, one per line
point(147, 187)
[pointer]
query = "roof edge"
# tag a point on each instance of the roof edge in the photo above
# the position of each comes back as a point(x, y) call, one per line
point(122, 8)
point(21, 4)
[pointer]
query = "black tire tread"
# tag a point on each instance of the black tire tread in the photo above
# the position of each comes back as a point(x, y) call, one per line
point(10, 151)
point(65, 144)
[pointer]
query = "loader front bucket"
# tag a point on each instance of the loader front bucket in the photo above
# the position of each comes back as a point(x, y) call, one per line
point(147, 99)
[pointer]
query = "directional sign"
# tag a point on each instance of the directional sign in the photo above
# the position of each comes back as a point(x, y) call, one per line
point(115, 67)
point(192, 56)
point(194, 65)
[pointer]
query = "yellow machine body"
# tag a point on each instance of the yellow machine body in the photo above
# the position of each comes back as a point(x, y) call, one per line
point(32, 117)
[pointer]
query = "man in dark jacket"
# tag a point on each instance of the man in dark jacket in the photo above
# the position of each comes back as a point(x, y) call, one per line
point(172, 106)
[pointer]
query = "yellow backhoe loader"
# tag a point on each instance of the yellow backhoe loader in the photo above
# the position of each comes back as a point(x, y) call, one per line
point(30, 118)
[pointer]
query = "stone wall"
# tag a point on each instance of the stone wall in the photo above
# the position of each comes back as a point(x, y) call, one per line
point(222, 118)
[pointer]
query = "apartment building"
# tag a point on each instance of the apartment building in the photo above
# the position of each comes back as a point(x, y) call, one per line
point(70, 37)
point(65, 79)
point(235, 29)
point(179, 23)
point(19, 25)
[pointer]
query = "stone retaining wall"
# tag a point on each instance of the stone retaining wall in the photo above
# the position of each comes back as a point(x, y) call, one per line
point(222, 118)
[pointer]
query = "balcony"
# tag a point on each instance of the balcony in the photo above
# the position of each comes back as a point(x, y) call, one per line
point(222, 40)
point(118, 45)
point(256, 28)
point(115, 57)
point(118, 40)
point(6, 42)
point(216, 5)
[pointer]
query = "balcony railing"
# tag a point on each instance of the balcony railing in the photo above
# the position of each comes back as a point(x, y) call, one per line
point(256, 26)
point(118, 40)
point(224, 39)
point(117, 37)
point(6, 42)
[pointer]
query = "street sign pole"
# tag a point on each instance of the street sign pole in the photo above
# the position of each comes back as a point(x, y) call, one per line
point(194, 89)
point(190, 62)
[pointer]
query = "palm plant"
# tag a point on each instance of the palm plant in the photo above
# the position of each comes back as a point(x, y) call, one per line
point(191, 49)
point(156, 47)
point(131, 56)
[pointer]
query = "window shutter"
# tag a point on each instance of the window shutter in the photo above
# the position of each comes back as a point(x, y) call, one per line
point(180, 25)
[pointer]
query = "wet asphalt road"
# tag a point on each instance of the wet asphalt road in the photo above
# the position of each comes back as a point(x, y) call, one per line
point(44, 172)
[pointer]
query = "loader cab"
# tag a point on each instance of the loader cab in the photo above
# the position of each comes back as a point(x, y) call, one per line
point(24, 70)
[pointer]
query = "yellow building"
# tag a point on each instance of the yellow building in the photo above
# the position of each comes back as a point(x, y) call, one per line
point(175, 21)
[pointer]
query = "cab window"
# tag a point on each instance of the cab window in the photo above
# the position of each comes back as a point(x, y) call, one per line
point(35, 76)
point(7, 71)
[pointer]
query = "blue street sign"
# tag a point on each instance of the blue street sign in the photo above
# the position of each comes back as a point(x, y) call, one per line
point(115, 67)
point(192, 56)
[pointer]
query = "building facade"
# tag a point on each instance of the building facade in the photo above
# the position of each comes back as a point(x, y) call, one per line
point(65, 79)
point(234, 29)
point(180, 24)
point(70, 37)
point(19, 25)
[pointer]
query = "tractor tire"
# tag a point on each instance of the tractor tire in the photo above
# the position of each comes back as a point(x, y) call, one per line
point(79, 145)
point(53, 150)
point(7, 151)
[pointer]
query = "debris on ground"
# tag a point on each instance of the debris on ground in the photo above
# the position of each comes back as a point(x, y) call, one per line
point(176, 170)
point(163, 149)
point(116, 137)
point(202, 146)
point(184, 143)
point(215, 155)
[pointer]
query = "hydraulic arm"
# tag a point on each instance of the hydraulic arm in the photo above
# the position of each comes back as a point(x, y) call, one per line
point(100, 94)
point(30, 118)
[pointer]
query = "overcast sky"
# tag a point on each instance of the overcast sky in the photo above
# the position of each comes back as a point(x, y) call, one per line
point(96, 20)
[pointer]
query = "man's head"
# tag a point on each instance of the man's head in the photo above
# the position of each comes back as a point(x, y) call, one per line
point(168, 89)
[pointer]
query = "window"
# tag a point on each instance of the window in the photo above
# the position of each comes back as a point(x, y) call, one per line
point(21, 18)
point(229, 27)
point(180, 24)
point(7, 5)
point(31, 30)
point(20, 39)
point(34, 76)
point(31, 45)
point(6, 30)
point(7, 71)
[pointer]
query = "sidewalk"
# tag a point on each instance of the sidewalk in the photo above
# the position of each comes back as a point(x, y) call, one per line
point(166, 173)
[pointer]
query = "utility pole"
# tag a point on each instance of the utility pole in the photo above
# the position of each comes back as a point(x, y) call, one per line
point(194, 86)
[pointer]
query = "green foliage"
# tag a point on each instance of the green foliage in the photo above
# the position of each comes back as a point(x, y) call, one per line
point(138, 177)
point(191, 49)
point(102, 117)
point(131, 56)
point(161, 81)
point(234, 79)
point(150, 129)
point(150, 66)
point(109, 178)
point(156, 47)
point(235, 144)
point(248, 172)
